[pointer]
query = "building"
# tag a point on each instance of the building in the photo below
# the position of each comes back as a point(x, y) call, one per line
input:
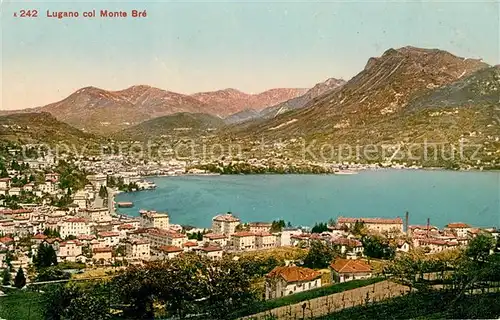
point(212, 252)
point(98, 180)
point(5, 183)
point(137, 249)
point(284, 281)
point(243, 240)
point(110, 238)
point(217, 238)
point(160, 237)
point(264, 240)
point(153, 219)
point(348, 269)
point(350, 247)
point(260, 227)
point(437, 245)
point(286, 234)
point(169, 252)
point(225, 224)
point(95, 214)
point(102, 254)
point(74, 227)
point(70, 251)
point(459, 229)
point(374, 224)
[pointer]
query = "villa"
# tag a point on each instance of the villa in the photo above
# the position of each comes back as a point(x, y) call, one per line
point(284, 281)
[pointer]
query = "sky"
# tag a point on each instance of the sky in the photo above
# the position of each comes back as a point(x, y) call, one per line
point(194, 46)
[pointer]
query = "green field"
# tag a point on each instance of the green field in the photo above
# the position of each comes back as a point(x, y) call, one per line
point(21, 305)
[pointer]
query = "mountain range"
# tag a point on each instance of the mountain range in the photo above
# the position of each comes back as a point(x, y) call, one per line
point(100, 111)
point(406, 95)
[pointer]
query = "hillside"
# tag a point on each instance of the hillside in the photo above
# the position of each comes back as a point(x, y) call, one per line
point(384, 87)
point(292, 104)
point(372, 109)
point(104, 112)
point(231, 101)
point(177, 125)
point(40, 128)
point(480, 88)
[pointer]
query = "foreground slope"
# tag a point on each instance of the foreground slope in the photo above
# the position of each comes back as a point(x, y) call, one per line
point(40, 127)
point(176, 125)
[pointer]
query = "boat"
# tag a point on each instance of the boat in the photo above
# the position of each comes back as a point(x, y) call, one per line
point(127, 204)
point(344, 172)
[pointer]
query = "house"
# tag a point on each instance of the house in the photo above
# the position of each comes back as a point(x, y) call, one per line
point(225, 224)
point(137, 249)
point(7, 242)
point(286, 234)
point(459, 229)
point(348, 269)
point(260, 227)
point(373, 224)
point(69, 251)
point(153, 219)
point(217, 238)
point(104, 254)
point(212, 252)
point(264, 240)
point(110, 238)
point(5, 183)
point(437, 245)
point(402, 246)
point(160, 237)
point(15, 191)
point(350, 247)
point(74, 227)
point(95, 214)
point(284, 281)
point(29, 187)
point(190, 245)
point(169, 252)
point(243, 240)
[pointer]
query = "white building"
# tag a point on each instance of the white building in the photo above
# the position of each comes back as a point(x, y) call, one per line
point(284, 281)
point(459, 229)
point(225, 224)
point(374, 224)
point(153, 219)
point(286, 233)
point(74, 227)
point(243, 240)
point(343, 270)
point(137, 249)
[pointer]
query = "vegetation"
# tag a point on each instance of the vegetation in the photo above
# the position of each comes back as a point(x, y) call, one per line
point(20, 279)
point(319, 228)
point(305, 295)
point(6, 277)
point(278, 225)
point(320, 255)
point(376, 247)
point(45, 257)
point(21, 305)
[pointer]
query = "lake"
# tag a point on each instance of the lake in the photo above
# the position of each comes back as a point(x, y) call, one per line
point(443, 196)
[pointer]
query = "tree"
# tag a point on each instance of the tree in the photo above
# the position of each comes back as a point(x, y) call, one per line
point(375, 247)
point(45, 257)
point(103, 192)
point(320, 255)
point(277, 226)
point(6, 277)
point(51, 233)
point(479, 248)
point(319, 228)
point(358, 228)
point(20, 279)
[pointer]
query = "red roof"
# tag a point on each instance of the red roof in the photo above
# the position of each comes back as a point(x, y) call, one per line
point(214, 236)
point(86, 237)
point(457, 225)
point(108, 234)
point(243, 234)
point(262, 234)
point(40, 236)
point(190, 244)
point(126, 227)
point(6, 240)
point(170, 249)
point(75, 220)
point(350, 266)
point(294, 274)
point(211, 249)
point(342, 220)
point(226, 218)
point(347, 242)
point(102, 250)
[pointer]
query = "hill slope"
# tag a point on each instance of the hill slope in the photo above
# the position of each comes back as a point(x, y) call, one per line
point(176, 125)
point(39, 127)
point(292, 104)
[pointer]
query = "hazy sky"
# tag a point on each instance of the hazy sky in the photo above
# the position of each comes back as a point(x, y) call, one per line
point(206, 45)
